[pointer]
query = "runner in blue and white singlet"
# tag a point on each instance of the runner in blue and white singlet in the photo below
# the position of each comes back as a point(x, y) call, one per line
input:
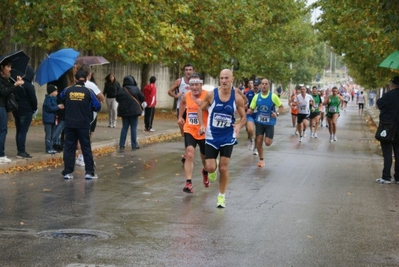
point(219, 131)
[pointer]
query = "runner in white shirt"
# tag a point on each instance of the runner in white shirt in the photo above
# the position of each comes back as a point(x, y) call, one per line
point(304, 102)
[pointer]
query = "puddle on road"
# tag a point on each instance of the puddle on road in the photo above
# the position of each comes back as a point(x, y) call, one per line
point(76, 234)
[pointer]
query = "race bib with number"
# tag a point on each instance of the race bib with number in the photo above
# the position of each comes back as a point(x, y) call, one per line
point(332, 109)
point(221, 120)
point(192, 118)
point(263, 118)
point(302, 107)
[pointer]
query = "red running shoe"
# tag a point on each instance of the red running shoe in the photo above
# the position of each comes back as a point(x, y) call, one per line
point(188, 188)
point(205, 178)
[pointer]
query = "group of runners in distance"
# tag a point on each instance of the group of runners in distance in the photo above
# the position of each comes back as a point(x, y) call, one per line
point(207, 119)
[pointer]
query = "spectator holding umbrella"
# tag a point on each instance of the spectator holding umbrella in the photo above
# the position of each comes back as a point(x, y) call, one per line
point(7, 86)
point(150, 92)
point(25, 96)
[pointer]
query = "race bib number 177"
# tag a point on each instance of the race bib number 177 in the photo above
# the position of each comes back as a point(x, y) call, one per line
point(221, 120)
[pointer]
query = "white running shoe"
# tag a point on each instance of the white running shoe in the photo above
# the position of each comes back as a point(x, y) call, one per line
point(335, 139)
point(255, 151)
point(304, 133)
point(251, 144)
point(311, 135)
point(300, 139)
point(4, 160)
point(296, 132)
point(315, 135)
point(80, 162)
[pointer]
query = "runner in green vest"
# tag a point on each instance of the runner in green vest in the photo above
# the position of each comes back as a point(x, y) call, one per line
point(332, 103)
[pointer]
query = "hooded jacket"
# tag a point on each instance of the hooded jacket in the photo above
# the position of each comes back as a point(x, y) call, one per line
point(127, 106)
point(25, 95)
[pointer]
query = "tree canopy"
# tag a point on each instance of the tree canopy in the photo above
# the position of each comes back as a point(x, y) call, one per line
point(263, 37)
point(364, 32)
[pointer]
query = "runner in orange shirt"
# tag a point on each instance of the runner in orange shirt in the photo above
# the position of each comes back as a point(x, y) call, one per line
point(190, 103)
point(294, 108)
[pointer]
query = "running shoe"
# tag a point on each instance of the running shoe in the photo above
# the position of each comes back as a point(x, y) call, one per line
point(311, 135)
point(255, 151)
point(300, 139)
point(335, 139)
point(382, 181)
point(251, 144)
point(23, 155)
point(331, 139)
point(188, 188)
point(212, 176)
point(90, 176)
point(80, 162)
point(304, 133)
point(68, 176)
point(221, 202)
point(205, 178)
point(4, 159)
point(261, 163)
point(296, 132)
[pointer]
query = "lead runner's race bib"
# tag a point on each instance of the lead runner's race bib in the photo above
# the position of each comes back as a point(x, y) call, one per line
point(332, 109)
point(221, 120)
point(193, 118)
point(302, 107)
point(263, 118)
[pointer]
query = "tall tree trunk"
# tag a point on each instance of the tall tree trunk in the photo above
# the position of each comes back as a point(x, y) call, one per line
point(145, 70)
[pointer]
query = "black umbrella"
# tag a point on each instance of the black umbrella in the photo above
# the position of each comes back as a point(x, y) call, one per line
point(19, 63)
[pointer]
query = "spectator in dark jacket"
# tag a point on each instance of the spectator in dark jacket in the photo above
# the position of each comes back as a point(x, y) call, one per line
point(49, 113)
point(25, 96)
point(129, 100)
point(7, 87)
point(110, 90)
point(389, 113)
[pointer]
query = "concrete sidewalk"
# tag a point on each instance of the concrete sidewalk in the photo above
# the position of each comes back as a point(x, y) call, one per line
point(102, 137)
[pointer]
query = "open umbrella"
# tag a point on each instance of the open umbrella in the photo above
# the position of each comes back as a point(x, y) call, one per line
point(391, 62)
point(19, 63)
point(92, 60)
point(56, 64)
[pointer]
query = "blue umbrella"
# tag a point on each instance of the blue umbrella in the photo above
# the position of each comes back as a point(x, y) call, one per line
point(56, 64)
point(19, 63)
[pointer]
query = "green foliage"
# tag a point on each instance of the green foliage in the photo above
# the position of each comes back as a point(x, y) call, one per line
point(263, 36)
point(365, 32)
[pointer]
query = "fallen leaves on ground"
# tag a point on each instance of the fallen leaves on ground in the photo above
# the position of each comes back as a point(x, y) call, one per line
point(52, 162)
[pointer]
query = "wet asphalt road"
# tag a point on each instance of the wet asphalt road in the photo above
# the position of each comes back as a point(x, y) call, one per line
point(313, 204)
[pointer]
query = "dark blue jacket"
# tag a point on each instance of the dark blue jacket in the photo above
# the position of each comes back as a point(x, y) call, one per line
point(50, 108)
point(79, 102)
point(25, 95)
point(127, 106)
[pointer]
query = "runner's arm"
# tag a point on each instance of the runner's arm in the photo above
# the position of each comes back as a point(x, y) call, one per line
point(172, 89)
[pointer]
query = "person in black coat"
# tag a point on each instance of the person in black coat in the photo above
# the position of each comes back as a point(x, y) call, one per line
point(389, 113)
point(7, 87)
point(129, 100)
point(25, 95)
point(110, 90)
